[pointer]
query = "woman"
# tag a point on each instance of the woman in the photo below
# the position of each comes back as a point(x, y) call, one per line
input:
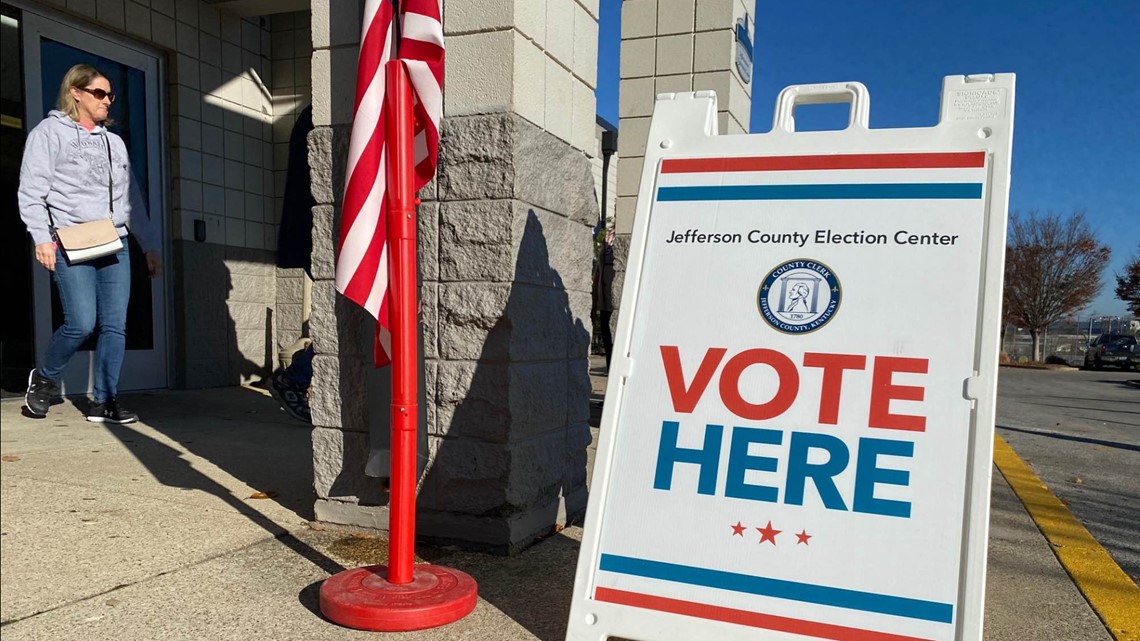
point(604, 295)
point(75, 171)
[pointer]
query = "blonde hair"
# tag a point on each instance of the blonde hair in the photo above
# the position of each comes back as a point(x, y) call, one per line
point(78, 77)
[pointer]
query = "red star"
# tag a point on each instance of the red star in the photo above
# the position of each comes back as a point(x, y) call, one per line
point(738, 529)
point(803, 537)
point(767, 533)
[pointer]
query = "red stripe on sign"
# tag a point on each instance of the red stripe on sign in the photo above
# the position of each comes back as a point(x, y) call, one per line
point(744, 617)
point(954, 160)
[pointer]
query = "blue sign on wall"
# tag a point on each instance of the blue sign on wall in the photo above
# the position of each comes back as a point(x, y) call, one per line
point(743, 49)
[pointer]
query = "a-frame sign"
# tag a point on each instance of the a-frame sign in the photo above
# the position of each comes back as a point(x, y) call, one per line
point(797, 433)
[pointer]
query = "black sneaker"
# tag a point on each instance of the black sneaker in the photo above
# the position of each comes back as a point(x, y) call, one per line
point(293, 398)
point(41, 392)
point(111, 411)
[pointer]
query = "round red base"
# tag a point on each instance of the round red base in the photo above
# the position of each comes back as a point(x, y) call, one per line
point(362, 598)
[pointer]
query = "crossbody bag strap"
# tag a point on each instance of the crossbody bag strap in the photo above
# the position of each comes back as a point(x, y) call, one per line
point(110, 175)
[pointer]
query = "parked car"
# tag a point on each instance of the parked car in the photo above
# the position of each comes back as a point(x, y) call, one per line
point(1116, 350)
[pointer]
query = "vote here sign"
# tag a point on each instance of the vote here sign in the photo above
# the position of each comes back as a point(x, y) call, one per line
point(791, 452)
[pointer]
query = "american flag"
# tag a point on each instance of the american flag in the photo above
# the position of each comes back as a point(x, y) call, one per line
point(362, 266)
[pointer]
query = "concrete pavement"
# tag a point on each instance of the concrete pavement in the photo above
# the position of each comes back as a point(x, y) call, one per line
point(149, 531)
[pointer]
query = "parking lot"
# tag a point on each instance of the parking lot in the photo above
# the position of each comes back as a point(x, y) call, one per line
point(1080, 432)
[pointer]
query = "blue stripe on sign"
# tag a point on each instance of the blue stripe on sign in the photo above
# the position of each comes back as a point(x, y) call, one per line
point(780, 589)
point(882, 191)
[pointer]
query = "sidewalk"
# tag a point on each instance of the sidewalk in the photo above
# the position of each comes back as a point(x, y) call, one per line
point(148, 531)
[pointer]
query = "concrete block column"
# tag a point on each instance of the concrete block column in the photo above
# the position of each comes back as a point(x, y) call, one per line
point(505, 259)
point(675, 45)
point(668, 46)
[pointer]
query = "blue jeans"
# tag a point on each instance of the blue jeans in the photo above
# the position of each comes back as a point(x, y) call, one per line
point(97, 290)
point(300, 370)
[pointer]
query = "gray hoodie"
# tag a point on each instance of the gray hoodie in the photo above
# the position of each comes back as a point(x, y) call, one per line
point(65, 171)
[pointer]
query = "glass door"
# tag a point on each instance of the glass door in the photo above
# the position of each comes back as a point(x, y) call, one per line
point(50, 48)
point(17, 345)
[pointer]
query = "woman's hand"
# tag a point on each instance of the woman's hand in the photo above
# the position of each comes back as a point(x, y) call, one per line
point(153, 264)
point(45, 255)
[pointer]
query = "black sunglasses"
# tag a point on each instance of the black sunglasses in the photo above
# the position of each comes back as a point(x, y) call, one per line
point(98, 93)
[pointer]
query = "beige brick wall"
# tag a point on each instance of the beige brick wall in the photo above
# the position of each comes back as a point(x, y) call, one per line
point(291, 52)
point(537, 58)
point(673, 46)
point(222, 132)
point(223, 105)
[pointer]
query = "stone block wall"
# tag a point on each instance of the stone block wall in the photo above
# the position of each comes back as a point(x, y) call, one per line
point(504, 257)
point(513, 302)
point(341, 330)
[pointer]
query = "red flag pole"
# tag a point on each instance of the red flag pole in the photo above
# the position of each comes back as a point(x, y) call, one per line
point(401, 596)
point(402, 321)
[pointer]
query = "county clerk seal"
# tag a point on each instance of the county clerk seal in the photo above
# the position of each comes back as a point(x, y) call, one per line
point(799, 296)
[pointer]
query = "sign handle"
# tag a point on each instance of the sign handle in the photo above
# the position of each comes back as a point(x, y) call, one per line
point(854, 93)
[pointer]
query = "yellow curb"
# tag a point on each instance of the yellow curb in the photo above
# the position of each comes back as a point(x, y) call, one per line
point(1112, 594)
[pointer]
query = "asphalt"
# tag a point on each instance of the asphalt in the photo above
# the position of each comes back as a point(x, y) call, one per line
point(195, 524)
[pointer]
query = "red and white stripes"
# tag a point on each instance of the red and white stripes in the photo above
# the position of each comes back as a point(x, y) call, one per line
point(362, 265)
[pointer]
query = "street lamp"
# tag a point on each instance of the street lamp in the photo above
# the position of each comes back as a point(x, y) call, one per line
point(1111, 324)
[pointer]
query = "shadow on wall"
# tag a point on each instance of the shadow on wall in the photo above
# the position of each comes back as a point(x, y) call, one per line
point(511, 428)
point(504, 416)
point(224, 335)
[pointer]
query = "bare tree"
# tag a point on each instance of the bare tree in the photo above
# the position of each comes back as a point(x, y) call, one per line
point(1128, 285)
point(1053, 268)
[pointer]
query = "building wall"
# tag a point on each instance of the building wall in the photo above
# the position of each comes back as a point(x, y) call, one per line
point(535, 58)
point(669, 46)
point(221, 137)
point(504, 255)
point(291, 53)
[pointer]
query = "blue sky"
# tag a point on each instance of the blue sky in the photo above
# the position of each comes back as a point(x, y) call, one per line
point(1077, 121)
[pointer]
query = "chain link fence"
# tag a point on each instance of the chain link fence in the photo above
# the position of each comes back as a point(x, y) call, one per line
point(1065, 342)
